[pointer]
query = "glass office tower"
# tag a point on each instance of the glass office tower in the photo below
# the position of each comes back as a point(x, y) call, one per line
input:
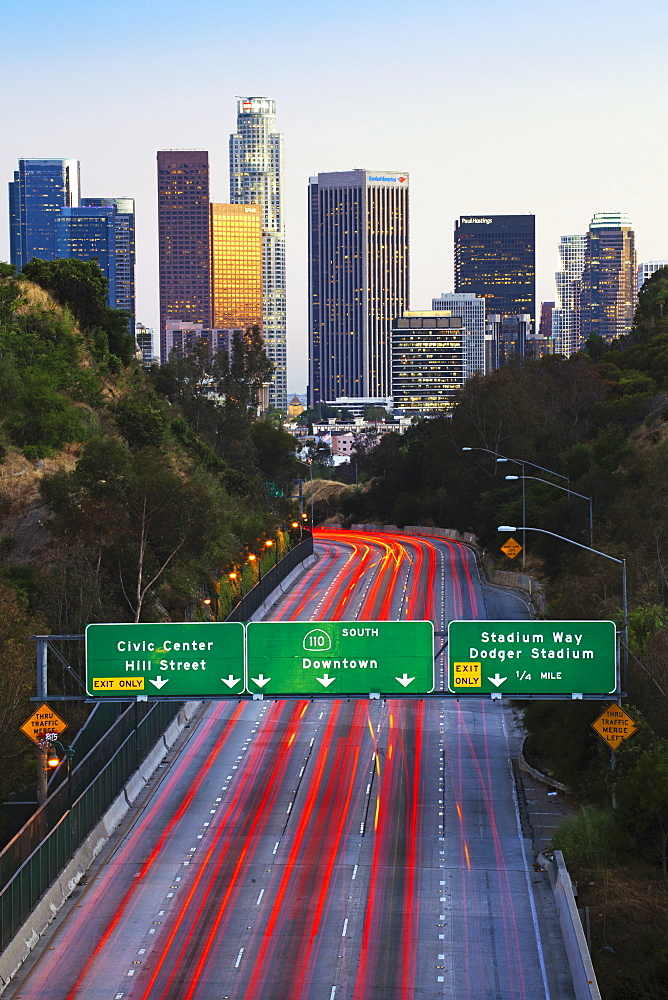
point(85, 233)
point(124, 250)
point(236, 265)
point(358, 280)
point(495, 256)
point(609, 277)
point(256, 178)
point(566, 313)
point(184, 259)
point(40, 189)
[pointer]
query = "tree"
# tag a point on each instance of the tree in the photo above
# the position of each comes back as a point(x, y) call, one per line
point(641, 816)
point(81, 286)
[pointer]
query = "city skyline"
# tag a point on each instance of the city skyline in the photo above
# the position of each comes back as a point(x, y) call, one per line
point(350, 111)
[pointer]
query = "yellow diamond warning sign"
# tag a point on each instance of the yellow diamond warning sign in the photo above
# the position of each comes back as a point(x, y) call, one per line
point(467, 675)
point(511, 548)
point(42, 724)
point(614, 726)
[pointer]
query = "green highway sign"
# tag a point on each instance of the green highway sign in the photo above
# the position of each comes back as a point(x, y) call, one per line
point(532, 657)
point(186, 659)
point(340, 658)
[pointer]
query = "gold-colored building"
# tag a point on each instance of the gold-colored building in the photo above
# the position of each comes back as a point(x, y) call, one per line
point(236, 265)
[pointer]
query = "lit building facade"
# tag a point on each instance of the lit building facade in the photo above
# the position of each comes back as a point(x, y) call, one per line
point(358, 280)
point(646, 270)
point(428, 361)
point(183, 240)
point(566, 312)
point(256, 178)
point(144, 342)
point(471, 308)
point(510, 338)
point(183, 337)
point(40, 189)
point(609, 277)
point(495, 257)
point(236, 265)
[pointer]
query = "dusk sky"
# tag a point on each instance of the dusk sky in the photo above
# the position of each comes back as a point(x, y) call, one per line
point(490, 106)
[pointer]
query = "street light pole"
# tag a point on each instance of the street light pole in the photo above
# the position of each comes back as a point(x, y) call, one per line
point(518, 461)
point(522, 462)
point(566, 489)
point(620, 562)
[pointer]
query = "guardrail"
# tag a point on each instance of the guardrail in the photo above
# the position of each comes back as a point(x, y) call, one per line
point(40, 850)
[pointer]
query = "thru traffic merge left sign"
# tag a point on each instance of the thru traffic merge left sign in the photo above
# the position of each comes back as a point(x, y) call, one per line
point(42, 724)
point(614, 726)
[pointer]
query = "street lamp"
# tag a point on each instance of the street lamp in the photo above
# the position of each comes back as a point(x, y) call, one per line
point(236, 588)
point(268, 544)
point(523, 462)
point(620, 562)
point(310, 466)
point(518, 461)
point(566, 489)
point(53, 760)
point(253, 559)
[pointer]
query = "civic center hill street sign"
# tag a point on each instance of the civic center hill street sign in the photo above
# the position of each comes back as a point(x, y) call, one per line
point(340, 658)
point(532, 657)
point(185, 659)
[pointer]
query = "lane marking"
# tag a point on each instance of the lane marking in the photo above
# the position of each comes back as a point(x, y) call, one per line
point(345, 927)
point(238, 961)
point(331, 995)
point(534, 915)
point(257, 901)
point(355, 872)
point(275, 847)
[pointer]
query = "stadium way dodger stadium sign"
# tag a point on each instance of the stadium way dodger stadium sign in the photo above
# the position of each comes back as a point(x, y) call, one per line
point(532, 658)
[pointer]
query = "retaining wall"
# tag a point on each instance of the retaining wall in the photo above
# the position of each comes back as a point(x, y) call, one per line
point(579, 959)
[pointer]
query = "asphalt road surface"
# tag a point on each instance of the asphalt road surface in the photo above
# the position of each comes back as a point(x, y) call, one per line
point(330, 849)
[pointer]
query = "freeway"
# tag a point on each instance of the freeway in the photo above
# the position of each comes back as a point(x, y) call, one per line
point(339, 850)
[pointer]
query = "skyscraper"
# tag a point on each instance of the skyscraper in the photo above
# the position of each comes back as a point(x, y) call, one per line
point(36, 195)
point(647, 269)
point(256, 178)
point(566, 313)
point(358, 280)
point(236, 265)
point(183, 239)
point(609, 277)
point(85, 233)
point(428, 361)
point(495, 256)
point(471, 308)
point(124, 250)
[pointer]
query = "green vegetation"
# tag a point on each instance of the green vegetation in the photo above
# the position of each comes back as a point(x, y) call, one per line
point(600, 418)
point(124, 495)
